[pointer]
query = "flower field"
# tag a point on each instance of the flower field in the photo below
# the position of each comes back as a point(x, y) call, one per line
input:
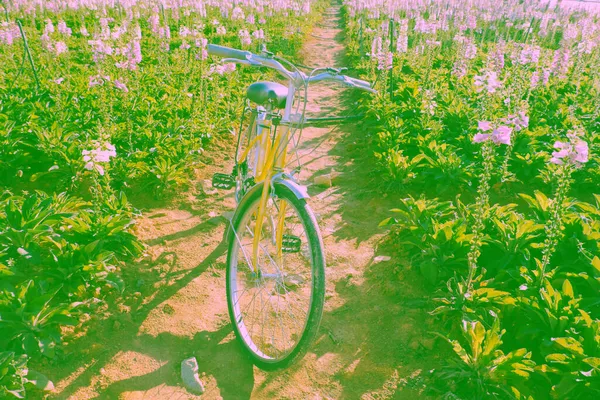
point(488, 129)
point(99, 98)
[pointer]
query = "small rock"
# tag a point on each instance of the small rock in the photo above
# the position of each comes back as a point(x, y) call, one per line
point(379, 259)
point(189, 375)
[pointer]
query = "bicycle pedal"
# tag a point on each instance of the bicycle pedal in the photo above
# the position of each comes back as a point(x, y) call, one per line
point(291, 244)
point(223, 181)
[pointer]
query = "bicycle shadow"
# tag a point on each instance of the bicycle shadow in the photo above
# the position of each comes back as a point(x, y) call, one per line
point(223, 361)
point(93, 369)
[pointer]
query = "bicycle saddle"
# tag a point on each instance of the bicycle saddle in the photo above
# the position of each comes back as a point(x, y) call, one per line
point(261, 92)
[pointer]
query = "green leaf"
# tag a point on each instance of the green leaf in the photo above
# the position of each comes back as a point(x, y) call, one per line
point(593, 361)
point(567, 289)
point(40, 381)
point(47, 347)
point(570, 344)
point(65, 320)
point(89, 249)
point(30, 344)
point(13, 215)
point(460, 351)
point(558, 358)
point(115, 281)
point(596, 263)
point(385, 222)
point(429, 271)
point(586, 317)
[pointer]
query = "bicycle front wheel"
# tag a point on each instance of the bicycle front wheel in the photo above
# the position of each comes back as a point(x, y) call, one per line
point(275, 293)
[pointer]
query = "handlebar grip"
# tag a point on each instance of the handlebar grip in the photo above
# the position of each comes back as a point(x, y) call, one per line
point(361, 82)
point(227, 52)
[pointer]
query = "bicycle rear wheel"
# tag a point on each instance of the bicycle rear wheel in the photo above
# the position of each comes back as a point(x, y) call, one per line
point(275, 305)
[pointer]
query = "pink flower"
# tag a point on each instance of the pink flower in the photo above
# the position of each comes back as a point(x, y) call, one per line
point(385, 61)
point(184, 45)
point(230, 67)
point(58, 81)
point(60, 48)
point(500, 135)
point(480, 137)
point(581, 152)
point(62, 28)
point(489, 80)
point(101, 154)
point(535, 79)
point(484, 126)
point(576, 152)
point(120, 85)
point(98, 80)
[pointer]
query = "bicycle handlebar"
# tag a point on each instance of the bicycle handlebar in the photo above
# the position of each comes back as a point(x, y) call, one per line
point(248, 58)
point(360, 83)
point(228, 52)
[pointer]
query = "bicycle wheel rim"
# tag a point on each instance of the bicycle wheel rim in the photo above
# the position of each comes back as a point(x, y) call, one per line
point(267, 294)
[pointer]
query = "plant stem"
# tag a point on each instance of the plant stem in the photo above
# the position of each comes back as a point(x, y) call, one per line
point(28, 52)
point(482, 205)
point(553, 227)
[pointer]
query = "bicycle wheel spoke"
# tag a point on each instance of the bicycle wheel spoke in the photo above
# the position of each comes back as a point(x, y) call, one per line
point(271, 300)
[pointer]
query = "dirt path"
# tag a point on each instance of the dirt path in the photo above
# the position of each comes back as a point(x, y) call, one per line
point(372, 343)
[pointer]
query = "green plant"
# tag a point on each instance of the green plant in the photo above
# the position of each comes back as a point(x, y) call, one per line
point(482, 369)
point(14, 376)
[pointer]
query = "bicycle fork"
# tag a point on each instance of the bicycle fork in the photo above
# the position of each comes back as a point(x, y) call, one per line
point(274, 158)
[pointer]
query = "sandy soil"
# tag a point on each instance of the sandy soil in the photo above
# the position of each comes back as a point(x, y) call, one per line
point(374, 341)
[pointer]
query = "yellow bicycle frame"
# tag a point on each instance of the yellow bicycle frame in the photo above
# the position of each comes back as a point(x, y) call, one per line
point(272, 155)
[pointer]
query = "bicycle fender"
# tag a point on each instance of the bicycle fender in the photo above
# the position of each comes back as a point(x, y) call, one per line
point(300, 191)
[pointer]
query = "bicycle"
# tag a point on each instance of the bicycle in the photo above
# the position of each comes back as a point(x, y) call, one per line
point(275, 261)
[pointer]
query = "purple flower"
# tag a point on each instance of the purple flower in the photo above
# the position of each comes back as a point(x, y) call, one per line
point(120, 85)
point(576, 152)
point(98, 80)
point(500, 135)
point(484, 126)
point(489, 80)
point(480, 137)
point(60, 47)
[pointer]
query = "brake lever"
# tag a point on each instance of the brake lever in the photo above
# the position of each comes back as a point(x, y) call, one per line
point(266, 52)
point(336, 71)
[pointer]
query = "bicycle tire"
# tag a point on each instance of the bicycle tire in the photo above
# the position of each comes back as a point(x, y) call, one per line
point(247, 204)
